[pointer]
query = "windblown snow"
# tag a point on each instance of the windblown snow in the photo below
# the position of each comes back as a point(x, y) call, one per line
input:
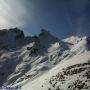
point(44, 62)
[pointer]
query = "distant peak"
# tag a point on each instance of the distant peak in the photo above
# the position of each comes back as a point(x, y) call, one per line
point(44, 32)
point(73, 39)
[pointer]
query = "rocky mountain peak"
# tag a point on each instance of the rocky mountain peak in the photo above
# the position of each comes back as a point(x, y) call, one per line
point(19, 33)
point(10, 37)
point(44, 32)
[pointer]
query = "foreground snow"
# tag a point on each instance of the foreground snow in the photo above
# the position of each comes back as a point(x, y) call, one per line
point(56, 79)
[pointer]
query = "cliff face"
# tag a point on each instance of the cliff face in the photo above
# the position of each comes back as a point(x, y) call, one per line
point(11, 37)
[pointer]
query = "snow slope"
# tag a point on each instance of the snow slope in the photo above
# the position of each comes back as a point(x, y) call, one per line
point(72, 74)
point(31, 61)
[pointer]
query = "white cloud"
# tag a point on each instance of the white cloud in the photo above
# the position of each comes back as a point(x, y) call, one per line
point(12, 13)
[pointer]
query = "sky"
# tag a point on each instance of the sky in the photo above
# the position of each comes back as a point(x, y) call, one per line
point(63, 18)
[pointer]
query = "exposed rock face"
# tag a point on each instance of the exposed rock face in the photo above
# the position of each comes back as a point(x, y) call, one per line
point(14, 32)
point(44, 33)
point(18, 32)
point(88, 40)
point(10, 37)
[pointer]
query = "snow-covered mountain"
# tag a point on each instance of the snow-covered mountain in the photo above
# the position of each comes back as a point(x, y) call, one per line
point(44, 62)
